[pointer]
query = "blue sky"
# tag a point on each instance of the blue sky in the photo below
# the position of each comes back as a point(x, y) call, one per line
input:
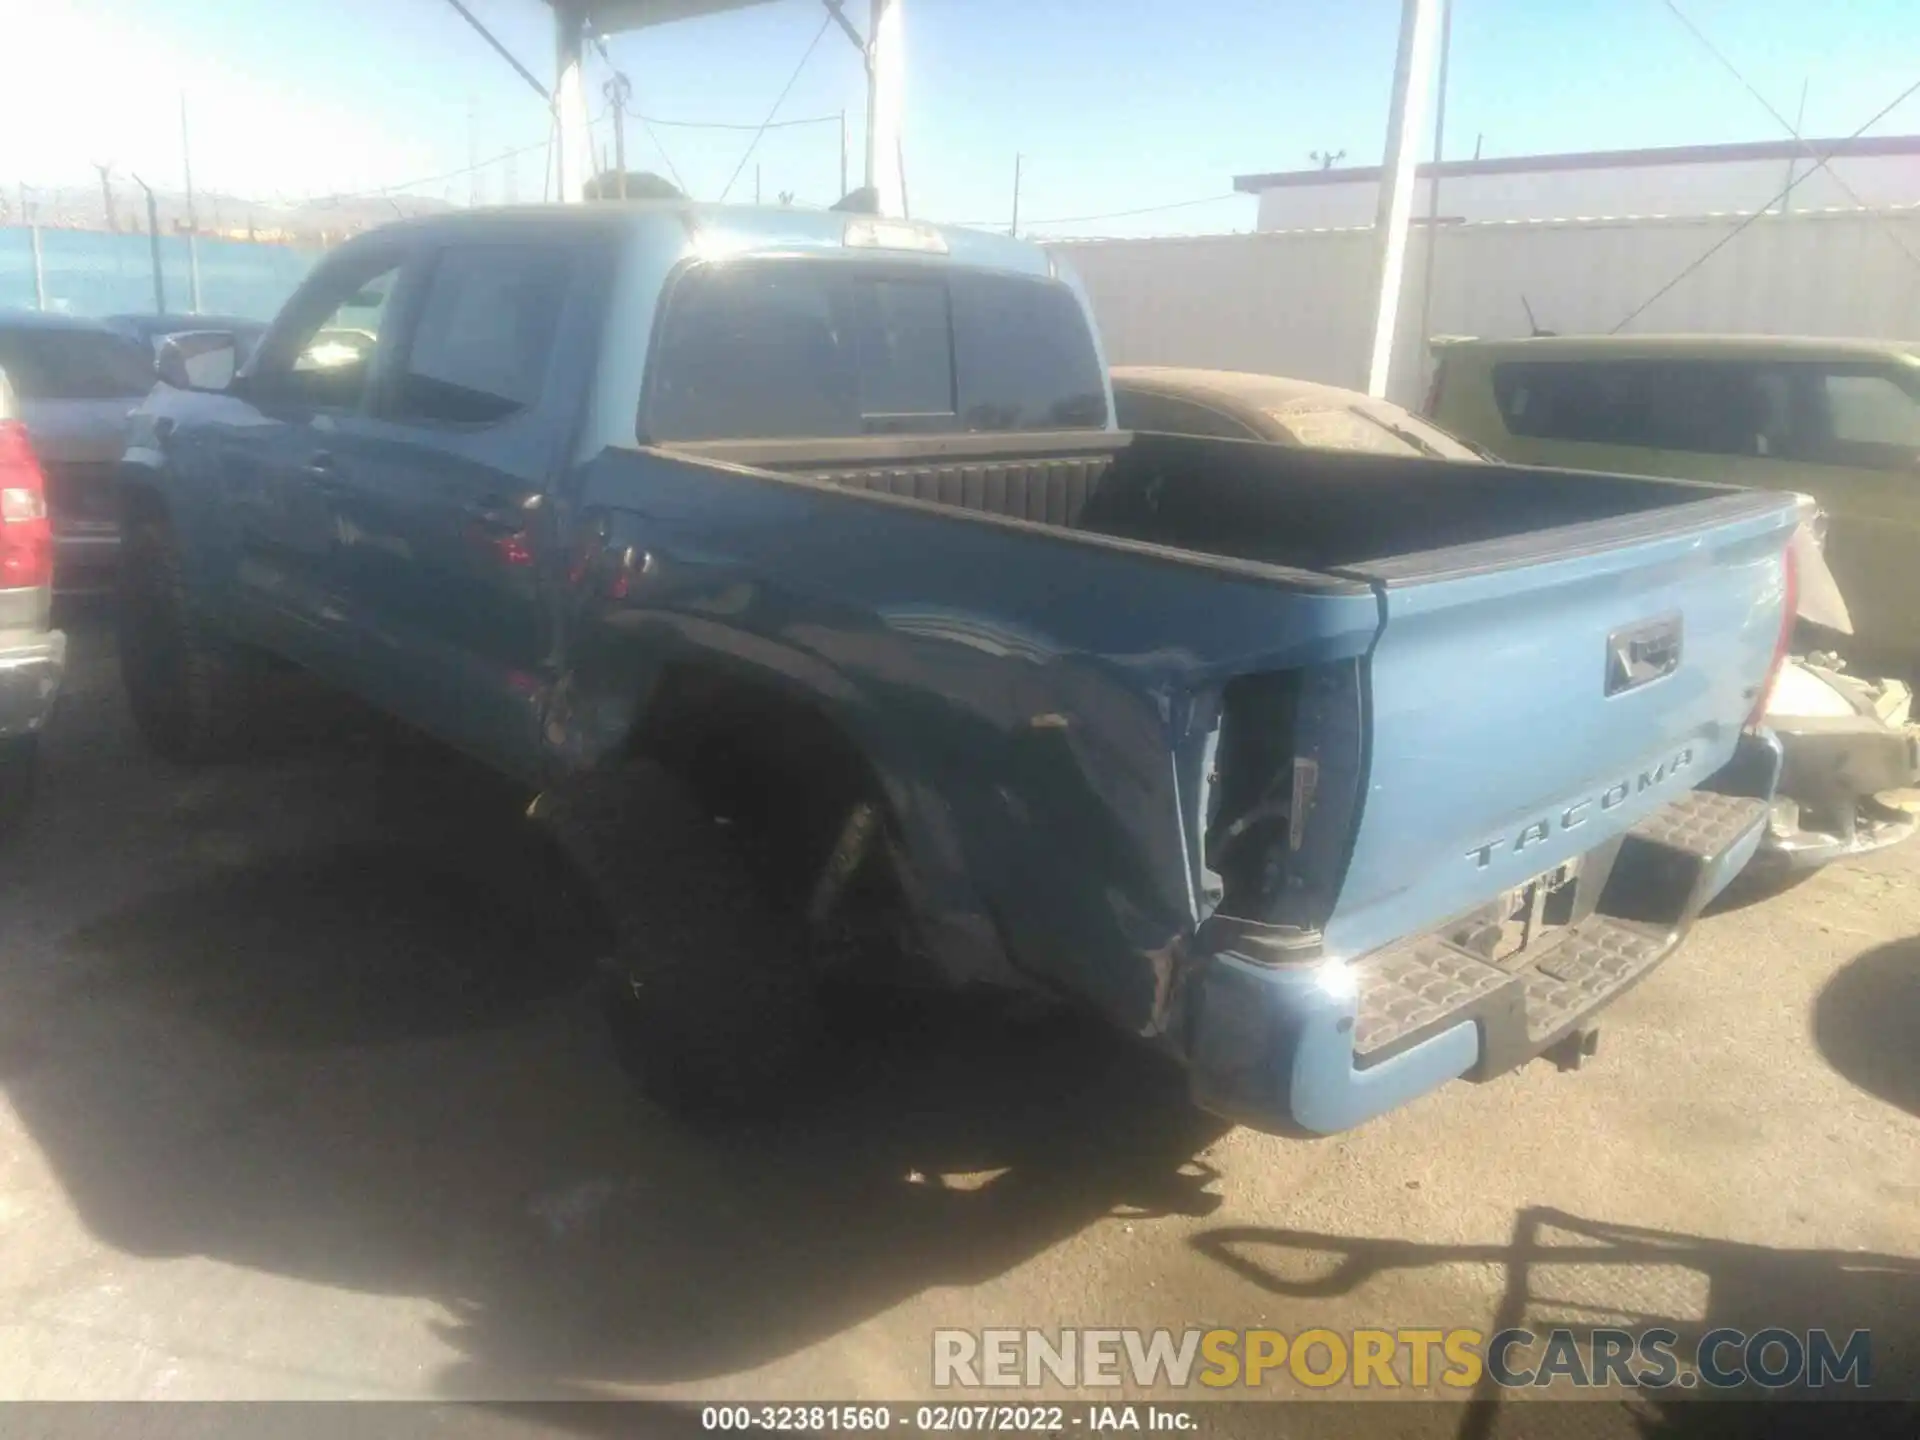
point(1115, 105)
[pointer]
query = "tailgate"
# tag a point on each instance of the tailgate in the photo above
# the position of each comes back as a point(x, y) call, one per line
point(1524, 710)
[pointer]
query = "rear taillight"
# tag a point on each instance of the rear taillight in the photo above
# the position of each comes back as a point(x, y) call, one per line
point(26, 539)
point(1789, 610)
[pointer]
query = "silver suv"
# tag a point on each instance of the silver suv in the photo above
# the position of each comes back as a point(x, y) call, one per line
point(75, 382)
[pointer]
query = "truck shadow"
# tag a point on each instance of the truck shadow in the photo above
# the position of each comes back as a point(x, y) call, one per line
point(1565, 1270)
point(375, 1062)
point(1866, 1023)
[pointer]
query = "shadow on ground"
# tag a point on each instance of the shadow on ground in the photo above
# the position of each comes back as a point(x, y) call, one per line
point(1755, 887)
point(1866, 1023)
point(375, 1062)
point(1563, 1270)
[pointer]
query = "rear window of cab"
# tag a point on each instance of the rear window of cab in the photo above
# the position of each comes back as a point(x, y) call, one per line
point(786, 348)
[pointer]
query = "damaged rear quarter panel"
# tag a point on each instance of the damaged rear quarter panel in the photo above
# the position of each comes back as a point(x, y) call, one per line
point(1034, 764)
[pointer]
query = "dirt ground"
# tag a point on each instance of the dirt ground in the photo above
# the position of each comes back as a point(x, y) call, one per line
point(290, 1112)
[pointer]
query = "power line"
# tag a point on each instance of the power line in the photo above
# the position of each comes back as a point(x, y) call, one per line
point(832, 119)
point(647, 125)
point(792, 79)
point(500, 49)
point(1820, 161)
point(445, 174)
point(1728, 238)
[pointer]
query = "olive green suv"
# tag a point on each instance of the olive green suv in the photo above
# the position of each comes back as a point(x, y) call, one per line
point(1835, 419)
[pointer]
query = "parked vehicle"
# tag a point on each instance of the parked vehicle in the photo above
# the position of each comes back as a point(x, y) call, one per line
point(1835, 419)
point(32, 653)
point(1240, 405)
point(76, 381)
point(1846, 741)
point(155, 330)
point(1337, 776)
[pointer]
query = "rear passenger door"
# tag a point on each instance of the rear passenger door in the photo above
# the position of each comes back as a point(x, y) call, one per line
point(445, 527)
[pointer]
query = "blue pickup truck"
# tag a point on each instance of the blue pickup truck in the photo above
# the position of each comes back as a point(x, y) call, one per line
point(795, 565)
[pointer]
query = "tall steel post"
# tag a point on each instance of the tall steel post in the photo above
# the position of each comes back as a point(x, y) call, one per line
point(1412, 65)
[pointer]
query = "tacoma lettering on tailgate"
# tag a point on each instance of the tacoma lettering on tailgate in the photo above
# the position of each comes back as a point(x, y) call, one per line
point(1580, 811)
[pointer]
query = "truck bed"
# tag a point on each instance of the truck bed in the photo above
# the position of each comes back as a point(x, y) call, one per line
point(1374, 517)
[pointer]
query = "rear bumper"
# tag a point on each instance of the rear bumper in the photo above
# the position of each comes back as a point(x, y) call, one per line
point(31, 667)
point(1322, 1048)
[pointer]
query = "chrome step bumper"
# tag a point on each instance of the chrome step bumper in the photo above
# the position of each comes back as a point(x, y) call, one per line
point(1667, 868)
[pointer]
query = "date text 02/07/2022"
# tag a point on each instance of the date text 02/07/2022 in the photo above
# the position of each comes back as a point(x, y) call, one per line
point(949, 1418)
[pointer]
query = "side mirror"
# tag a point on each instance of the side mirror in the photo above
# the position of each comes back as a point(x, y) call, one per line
point(199, 360)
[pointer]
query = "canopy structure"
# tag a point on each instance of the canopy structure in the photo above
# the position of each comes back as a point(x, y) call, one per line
point(575, 21)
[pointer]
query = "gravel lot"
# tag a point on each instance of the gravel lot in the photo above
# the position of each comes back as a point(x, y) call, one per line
point(304, 1097)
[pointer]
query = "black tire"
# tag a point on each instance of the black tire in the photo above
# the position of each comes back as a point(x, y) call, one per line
point(19, 769)
point(183, 680)
point(712, 1003)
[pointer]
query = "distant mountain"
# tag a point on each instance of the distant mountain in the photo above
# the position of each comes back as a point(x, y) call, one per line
point(315, 222)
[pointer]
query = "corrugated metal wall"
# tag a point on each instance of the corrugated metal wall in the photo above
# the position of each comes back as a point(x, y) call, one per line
point(1299, 303)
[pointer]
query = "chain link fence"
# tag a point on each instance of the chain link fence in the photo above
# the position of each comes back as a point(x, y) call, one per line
point(97, 272)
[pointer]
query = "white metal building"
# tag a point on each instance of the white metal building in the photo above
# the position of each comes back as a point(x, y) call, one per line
point(1300, 302)
point(1682, 180)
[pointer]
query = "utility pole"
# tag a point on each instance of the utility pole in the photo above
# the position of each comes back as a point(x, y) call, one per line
point(573, 147)
point(617, 90)
point(39, 269)
point(843, 152)
point(106, 194)
point(153, 243)
point(473, 158)
point(756, 182)
point(1433, 193)
point(193, 221)
point(1799, 127)
point(1013, 228)
point(27, 214)
point(1410, 76)
point(884, 77)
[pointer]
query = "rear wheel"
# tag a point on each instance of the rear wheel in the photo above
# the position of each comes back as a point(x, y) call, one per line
point(184, 681)
point(712, 1005)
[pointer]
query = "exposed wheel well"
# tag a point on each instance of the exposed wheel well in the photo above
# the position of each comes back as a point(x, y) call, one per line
point(778, 767)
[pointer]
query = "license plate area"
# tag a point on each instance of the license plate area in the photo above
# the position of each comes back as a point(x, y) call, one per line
point(1513, 930)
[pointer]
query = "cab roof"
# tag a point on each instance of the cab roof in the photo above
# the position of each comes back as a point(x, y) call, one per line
point(737, 229)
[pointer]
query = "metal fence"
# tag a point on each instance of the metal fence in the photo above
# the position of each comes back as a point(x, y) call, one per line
point(1301, 303)
point(97, 272)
